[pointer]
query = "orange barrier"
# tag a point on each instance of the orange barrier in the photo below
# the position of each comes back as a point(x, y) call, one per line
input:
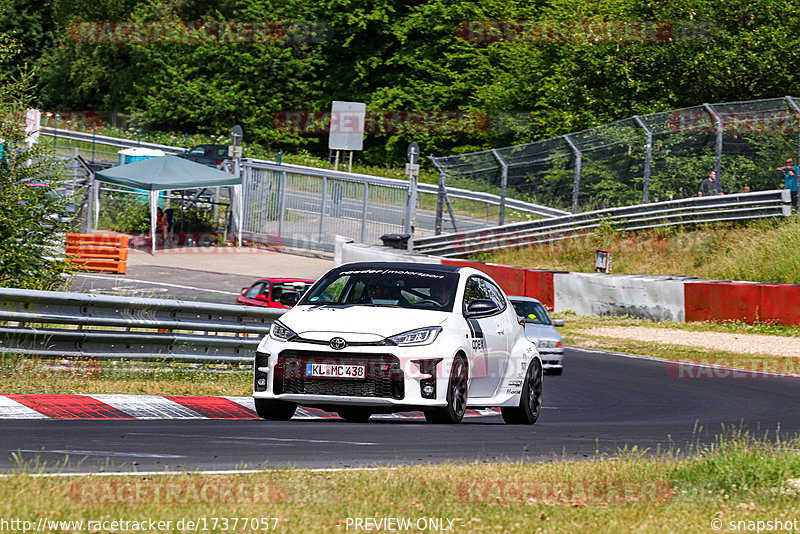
point(98, 252)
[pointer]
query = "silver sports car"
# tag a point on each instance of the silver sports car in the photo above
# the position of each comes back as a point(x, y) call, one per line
point(540, 329)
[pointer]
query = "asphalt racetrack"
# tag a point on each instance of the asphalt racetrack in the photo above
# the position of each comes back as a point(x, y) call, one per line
point(601, 404)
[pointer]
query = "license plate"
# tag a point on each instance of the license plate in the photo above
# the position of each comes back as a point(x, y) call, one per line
point(327, 370)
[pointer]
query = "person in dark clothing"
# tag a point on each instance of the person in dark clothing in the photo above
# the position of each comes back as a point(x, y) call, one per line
point(708, 186)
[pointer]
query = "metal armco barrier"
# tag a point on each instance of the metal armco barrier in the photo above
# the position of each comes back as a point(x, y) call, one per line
point(142, 329)
point(697, 210)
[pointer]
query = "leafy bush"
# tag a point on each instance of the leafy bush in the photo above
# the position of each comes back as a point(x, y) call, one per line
point(33, 220)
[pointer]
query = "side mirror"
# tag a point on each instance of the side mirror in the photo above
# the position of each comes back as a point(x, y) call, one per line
point(262, 296)
point(558, 322)
point(290, 298)
point(482, 307)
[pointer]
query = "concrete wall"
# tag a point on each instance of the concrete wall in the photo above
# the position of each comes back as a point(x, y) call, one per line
point(660, 298)
point(653, 298)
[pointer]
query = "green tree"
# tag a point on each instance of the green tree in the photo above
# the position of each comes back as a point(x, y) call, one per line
point(33, 219)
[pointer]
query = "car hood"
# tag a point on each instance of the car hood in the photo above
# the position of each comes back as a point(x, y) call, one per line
point(358, 322)
point(541, 331)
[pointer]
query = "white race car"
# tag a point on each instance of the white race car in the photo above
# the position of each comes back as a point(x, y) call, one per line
point(388, 337)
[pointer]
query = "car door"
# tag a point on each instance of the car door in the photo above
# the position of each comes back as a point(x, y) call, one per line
point(489, 337)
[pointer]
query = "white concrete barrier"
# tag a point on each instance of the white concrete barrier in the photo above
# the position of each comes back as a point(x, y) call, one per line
point(347, 252)
point(649, 297)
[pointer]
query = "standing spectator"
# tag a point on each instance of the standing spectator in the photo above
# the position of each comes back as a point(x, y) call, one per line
point(746, 188)
point(708, 186)
point(791, 172)
point(161, 223)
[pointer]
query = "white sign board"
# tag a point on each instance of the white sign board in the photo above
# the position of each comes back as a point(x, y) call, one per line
point(33, 123)
point(412, 169)
point(347, 125)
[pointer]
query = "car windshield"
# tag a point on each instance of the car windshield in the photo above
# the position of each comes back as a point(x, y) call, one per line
point(395, 288)
point(533, 312)
point(279, 288)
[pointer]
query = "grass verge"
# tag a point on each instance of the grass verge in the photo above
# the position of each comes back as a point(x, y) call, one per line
point(22, 375)
point(737, 478)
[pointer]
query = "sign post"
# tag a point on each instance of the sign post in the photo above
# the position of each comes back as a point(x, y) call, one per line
point(235, 152)
point(346, 129)
point(411, 206)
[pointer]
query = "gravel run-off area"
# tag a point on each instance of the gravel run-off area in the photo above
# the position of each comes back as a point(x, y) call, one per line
point(721, 341)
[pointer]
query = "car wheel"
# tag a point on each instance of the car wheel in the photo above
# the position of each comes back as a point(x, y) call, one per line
point(274, 410)
point(555, 372)
point(530, 401)
point(456, 396)
point(355, 414)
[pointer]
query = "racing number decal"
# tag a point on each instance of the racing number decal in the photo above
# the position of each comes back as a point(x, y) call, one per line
point(479, 364)
point(476, 331)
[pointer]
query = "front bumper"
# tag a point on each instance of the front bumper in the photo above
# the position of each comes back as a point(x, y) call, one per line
point(395, 378)
point(552, 358)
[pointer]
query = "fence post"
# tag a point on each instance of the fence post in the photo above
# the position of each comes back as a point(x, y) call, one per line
point(322, 210)
point(93, 128)
point(281, 202)
point(503, 185)
point(576, 184)
point(797, 109)
point(648, 153)
point(364, 213)
point(718, 154)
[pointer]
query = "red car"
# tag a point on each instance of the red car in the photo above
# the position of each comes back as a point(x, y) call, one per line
point(267, 292)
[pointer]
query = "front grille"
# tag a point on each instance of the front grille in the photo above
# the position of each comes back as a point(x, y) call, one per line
point(384, 378)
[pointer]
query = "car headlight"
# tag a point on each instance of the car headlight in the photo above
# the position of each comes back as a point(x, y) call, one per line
point(421, 336)
point(280, 332)
point(548, 343)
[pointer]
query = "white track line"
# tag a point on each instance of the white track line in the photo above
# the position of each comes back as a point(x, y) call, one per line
point(155, 283)
point(172, 473)
point(766, 374)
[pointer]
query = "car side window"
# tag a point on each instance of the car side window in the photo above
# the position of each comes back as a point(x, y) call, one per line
point(496, 294)
point(480, 288)
point(474, 290)
point(197, 151)
point(257, 289)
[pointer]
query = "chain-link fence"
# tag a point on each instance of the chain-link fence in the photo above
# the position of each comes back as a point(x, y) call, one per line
point(648, 158)
point(308, 209)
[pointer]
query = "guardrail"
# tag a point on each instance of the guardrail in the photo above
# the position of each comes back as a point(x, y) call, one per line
point(119, 142)
point(744, 206)
point(134, 328)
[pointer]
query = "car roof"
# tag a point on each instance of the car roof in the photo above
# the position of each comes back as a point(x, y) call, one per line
point(279, 280)
point(393, 265)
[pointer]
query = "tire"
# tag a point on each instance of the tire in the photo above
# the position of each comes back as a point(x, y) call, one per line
point(354, 414)
point(530, 401)
point(274, 410)
point(456, 396)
